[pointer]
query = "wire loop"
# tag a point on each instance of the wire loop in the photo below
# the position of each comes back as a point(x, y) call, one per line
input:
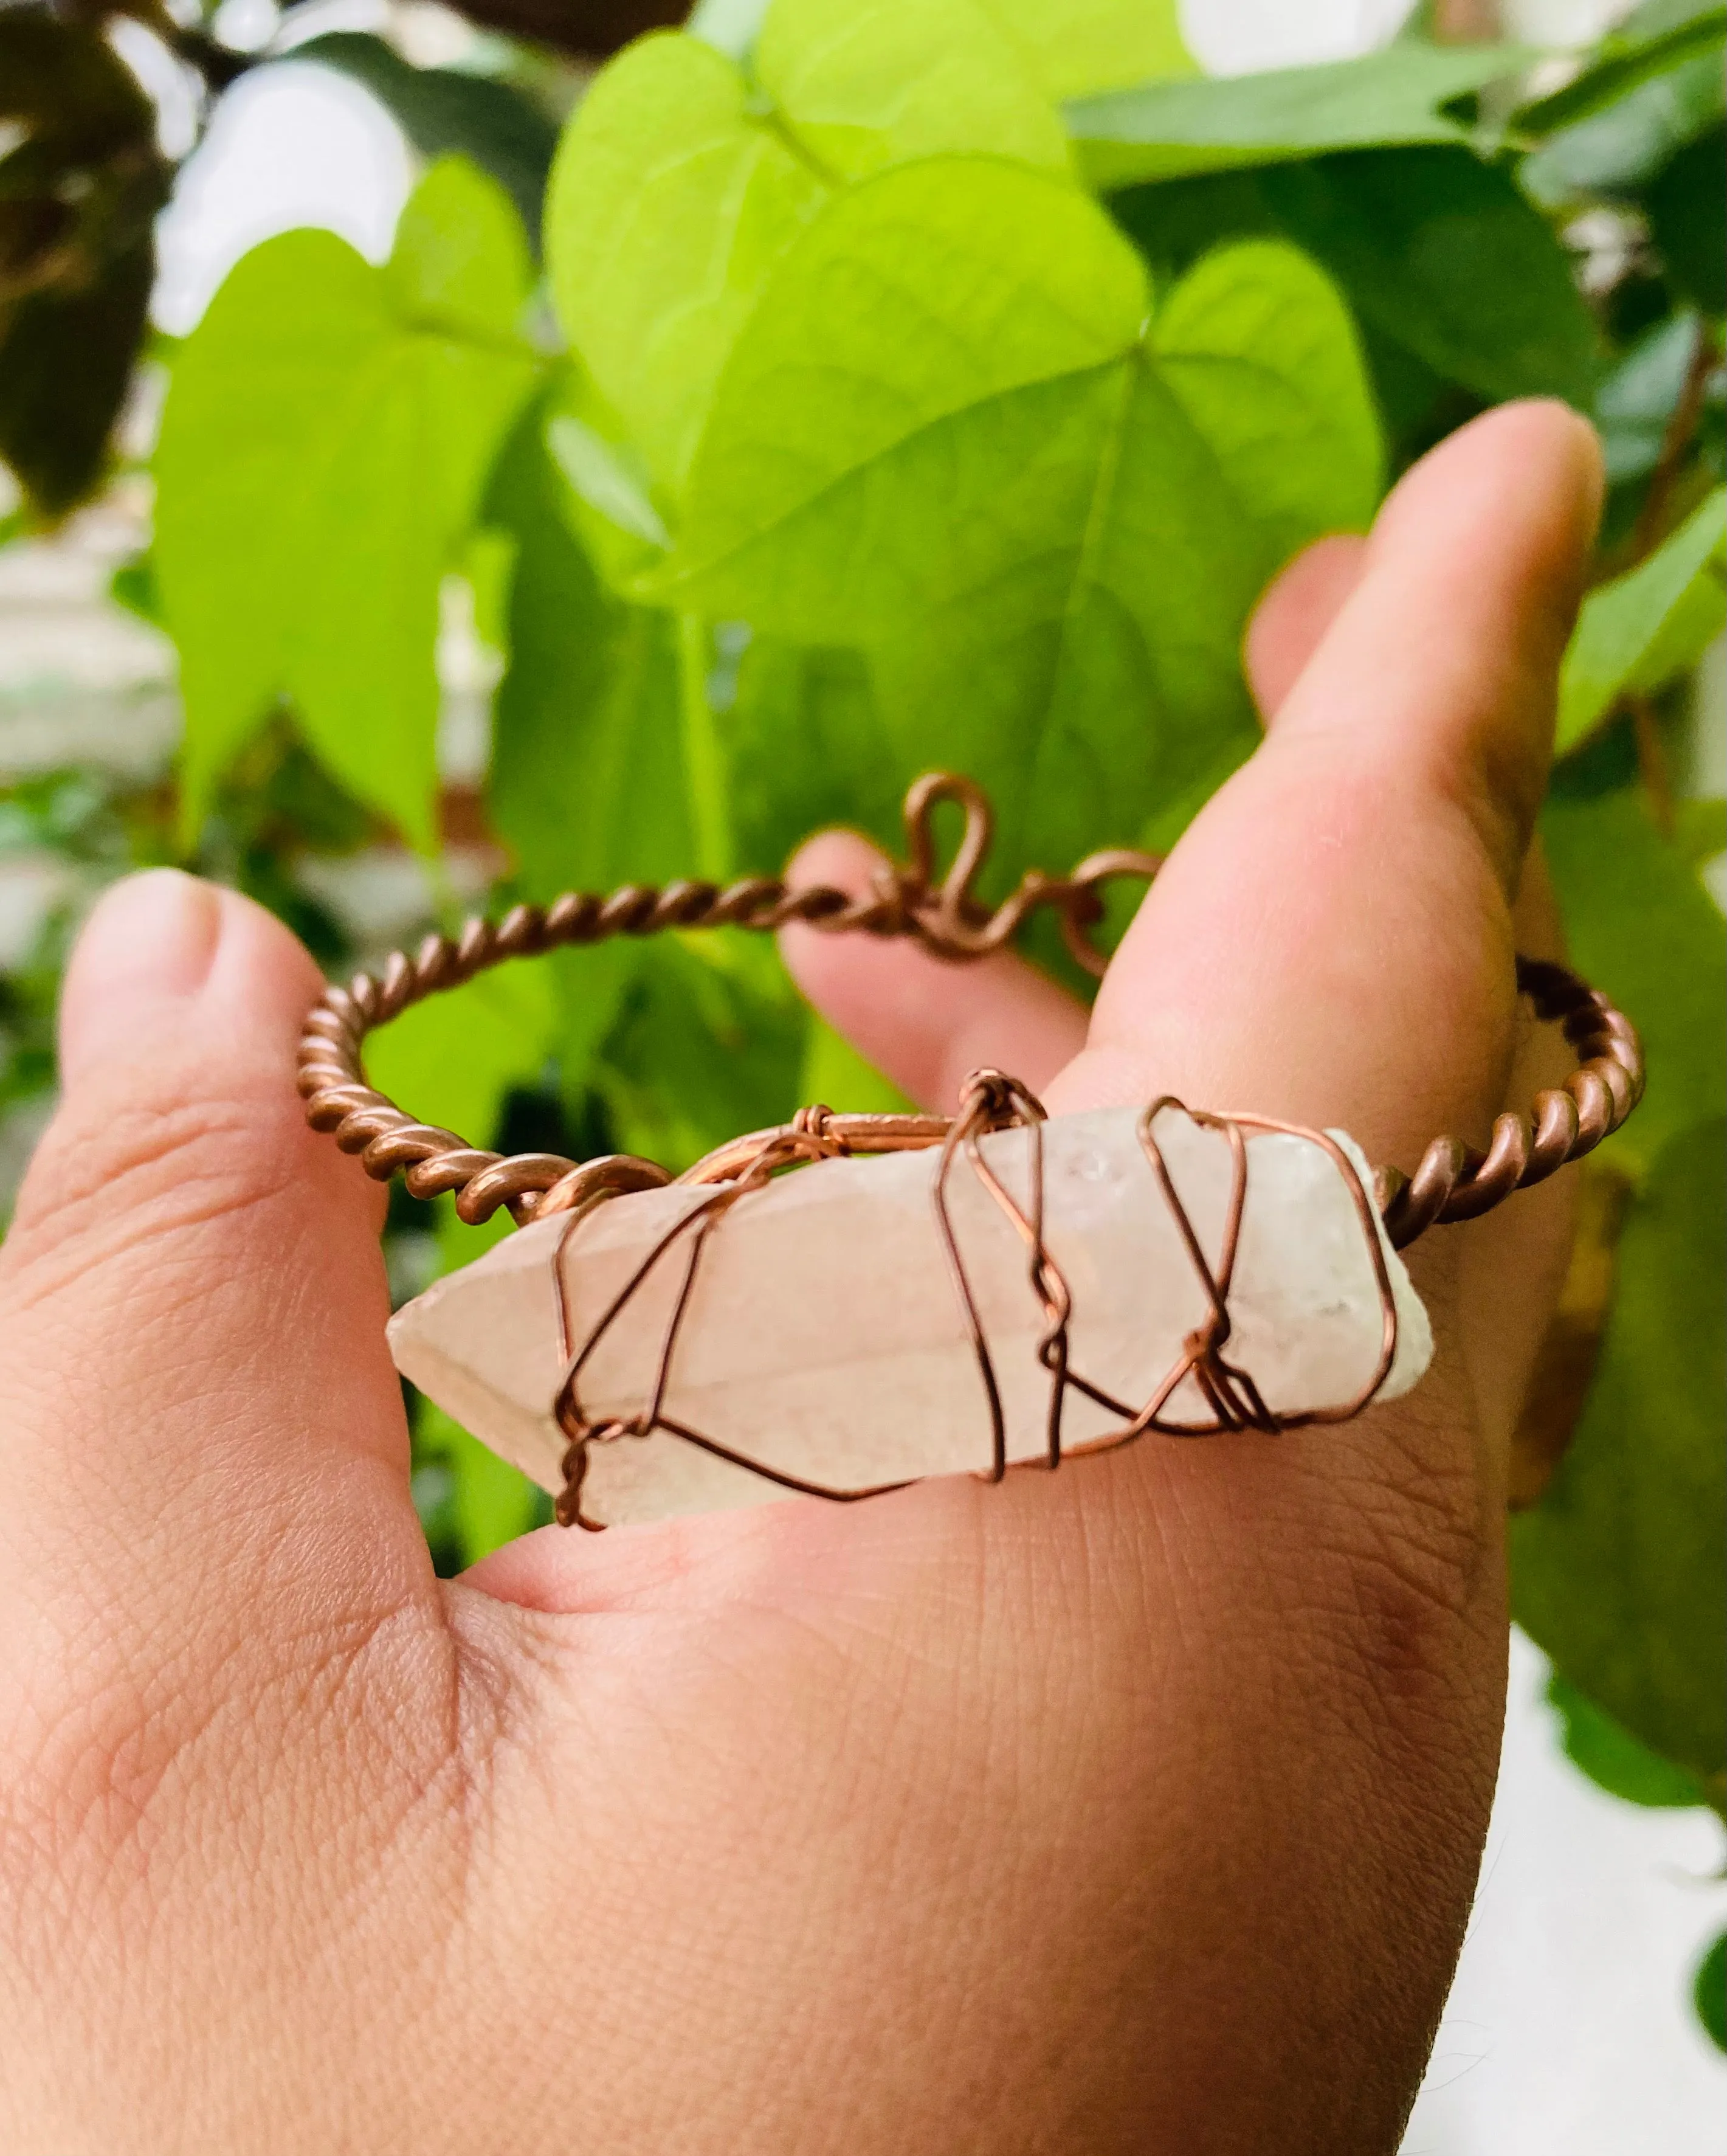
point(992, 1102)
point(1453, 1181)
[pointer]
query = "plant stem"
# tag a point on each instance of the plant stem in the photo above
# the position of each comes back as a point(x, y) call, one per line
point(1652, 767)
point(1675, 445)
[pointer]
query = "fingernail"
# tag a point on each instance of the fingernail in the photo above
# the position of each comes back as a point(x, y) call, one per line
point(147, 946)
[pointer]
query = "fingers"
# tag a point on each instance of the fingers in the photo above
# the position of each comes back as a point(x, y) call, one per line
point(192, 1295)
point(1331, 940)
point(1292, 618)
point(924, 1023)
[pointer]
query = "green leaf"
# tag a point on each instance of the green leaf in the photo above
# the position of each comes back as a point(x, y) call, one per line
point(1687, 220)
point(710, 1043)
point(1626, 144)
point(587, 783)
point(1167, 128)
point(865, 87)
point(1634, 635)
point(1077, 47)
point(1654, 20)
point(451, 1060)
point(328, 430)
point(1071, 47)
point(955, 433)
point(930, 296)
point(1650, 41)
point(558, 639)
point(1701, 830)
point(1709, 1993)
point(1617, 1573)
point(443, 112)
point(674, 192)
point(460, 261)
point(489, 564)
point(615, 516)
point(864, 84)
point(1612, 1757)
point(1439, 254)
point(1644, 929)
point(807, 746)
point(1635, 404)
point(283, 338)
point(669, 204)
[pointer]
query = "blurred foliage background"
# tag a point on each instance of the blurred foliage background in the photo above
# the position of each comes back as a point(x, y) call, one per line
point(837, 388)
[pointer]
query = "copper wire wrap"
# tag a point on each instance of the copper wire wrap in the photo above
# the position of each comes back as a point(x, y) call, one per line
point(1453, 1181)
point(992, 1101)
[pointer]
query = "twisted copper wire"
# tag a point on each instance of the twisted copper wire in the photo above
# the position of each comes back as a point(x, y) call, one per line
point(943, 917)
point(1453, 1182)
point(992, 1101)
point(794, 1147)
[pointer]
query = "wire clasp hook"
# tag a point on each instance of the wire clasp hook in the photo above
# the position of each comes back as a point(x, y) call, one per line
point(948, 918)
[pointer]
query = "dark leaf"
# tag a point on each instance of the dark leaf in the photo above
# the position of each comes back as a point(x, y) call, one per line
point(66, 357)
point(1687, 206)
point(77, 193)
point(587, 29)
point(1616, 1574)
point(1626, 145)
point(1440, 255)
point(1644, 929)
point(1709, 1993)
point(1570, 1348)
point(1635, 404)
point(62, 79)
point(1652, 40)
point(133, 586)
point(588, 784)
point(1612, 1757)
point(442, 110)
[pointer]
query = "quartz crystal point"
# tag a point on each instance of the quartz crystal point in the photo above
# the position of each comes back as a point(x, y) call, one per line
point(824, 1335)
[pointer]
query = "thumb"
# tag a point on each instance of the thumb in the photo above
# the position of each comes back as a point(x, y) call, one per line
point(195, 1386)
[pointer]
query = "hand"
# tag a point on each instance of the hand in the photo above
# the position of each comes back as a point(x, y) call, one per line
point(1134, 1809)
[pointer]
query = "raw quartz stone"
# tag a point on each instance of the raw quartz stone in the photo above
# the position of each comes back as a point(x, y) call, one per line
point(824, 1335)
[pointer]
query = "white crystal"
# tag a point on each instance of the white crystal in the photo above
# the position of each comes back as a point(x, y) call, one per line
point(824, 1335)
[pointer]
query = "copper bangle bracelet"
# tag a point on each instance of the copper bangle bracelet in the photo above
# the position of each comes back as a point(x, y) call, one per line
point(1455, 1181)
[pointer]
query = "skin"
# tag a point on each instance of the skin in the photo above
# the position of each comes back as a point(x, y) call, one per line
point(1138, 1809)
